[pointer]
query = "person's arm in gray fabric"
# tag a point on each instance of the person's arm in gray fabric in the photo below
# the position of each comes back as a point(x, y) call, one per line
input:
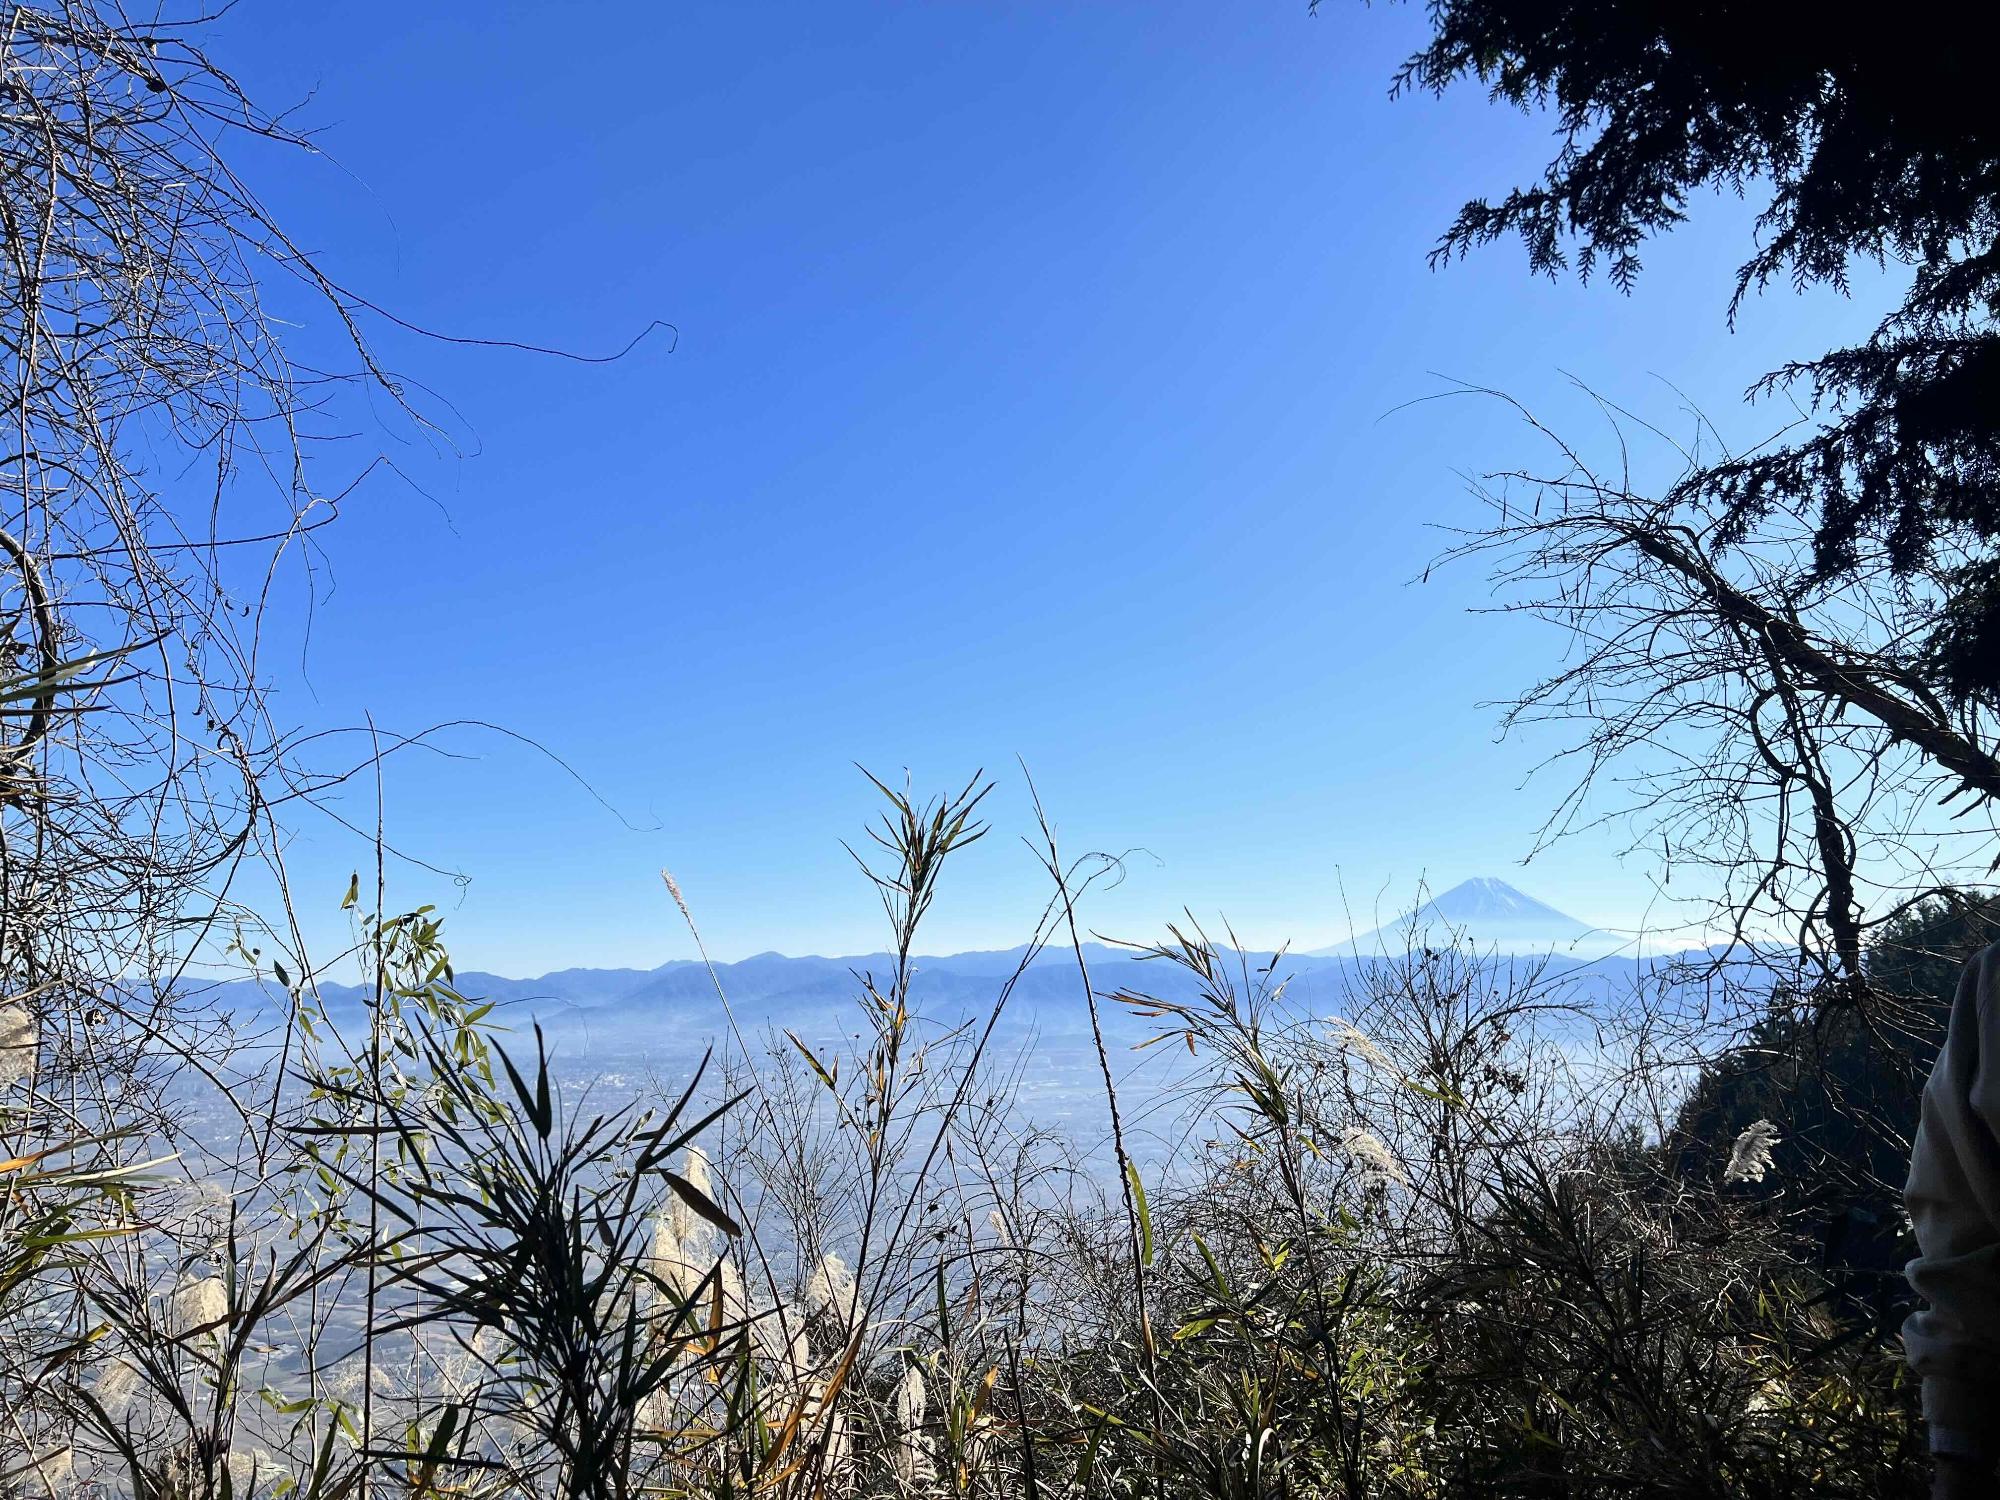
point(1953, 1197)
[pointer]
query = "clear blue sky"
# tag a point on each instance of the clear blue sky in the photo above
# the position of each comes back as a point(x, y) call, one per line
point(1036, 395)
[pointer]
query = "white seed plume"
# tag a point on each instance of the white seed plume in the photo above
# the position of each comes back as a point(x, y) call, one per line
point(668, 1261)
point(836, 1444)
point(345, 1380)
point(913, 1459)
point(1365, 1149)
point(792, 1358)
point(18, 1041)
point(1351, 1038)
point(199, 1303)
point(252, 1470)
point(50, 1468)
point(1750, 1157)
point(694, 1234)
point(1767, 1397)
point(674, 890)
point(115, 1386)
point(655, 1412)
point(768, 1342)
point(831, 1288)
point(735, 1302)
point(198, 1212)
point(911, 1400)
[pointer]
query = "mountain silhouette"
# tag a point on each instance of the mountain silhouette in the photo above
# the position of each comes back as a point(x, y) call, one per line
point(675, 1008)
point(1487, 913)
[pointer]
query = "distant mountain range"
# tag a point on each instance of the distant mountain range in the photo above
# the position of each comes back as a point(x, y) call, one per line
point(676, 1006)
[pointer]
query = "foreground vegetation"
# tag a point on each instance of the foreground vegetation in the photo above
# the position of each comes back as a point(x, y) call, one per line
point(1428, 1248)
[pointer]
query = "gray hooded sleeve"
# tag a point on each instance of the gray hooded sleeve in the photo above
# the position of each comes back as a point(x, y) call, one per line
point(1953, 1198)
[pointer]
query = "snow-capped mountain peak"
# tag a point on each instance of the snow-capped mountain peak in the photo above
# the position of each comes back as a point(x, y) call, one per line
point(1486, 912)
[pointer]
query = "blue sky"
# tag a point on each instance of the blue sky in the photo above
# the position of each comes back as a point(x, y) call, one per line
point(1041, 390)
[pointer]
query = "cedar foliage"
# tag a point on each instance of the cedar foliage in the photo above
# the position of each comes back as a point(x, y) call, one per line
point(1843, 1084)
point(1866, 139)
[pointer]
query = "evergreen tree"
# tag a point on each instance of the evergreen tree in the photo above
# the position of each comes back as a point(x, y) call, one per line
point(1844, 1087)
point(1868, 138)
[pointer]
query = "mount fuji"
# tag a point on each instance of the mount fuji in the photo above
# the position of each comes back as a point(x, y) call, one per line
point(1489, 914)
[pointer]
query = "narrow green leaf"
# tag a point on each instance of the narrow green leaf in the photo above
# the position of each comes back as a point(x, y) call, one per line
point(701, 1203)
point(1145, 1214)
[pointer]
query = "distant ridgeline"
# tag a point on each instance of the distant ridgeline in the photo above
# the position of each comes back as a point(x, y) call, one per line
point(664, 1011)
point(1840, 1086)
